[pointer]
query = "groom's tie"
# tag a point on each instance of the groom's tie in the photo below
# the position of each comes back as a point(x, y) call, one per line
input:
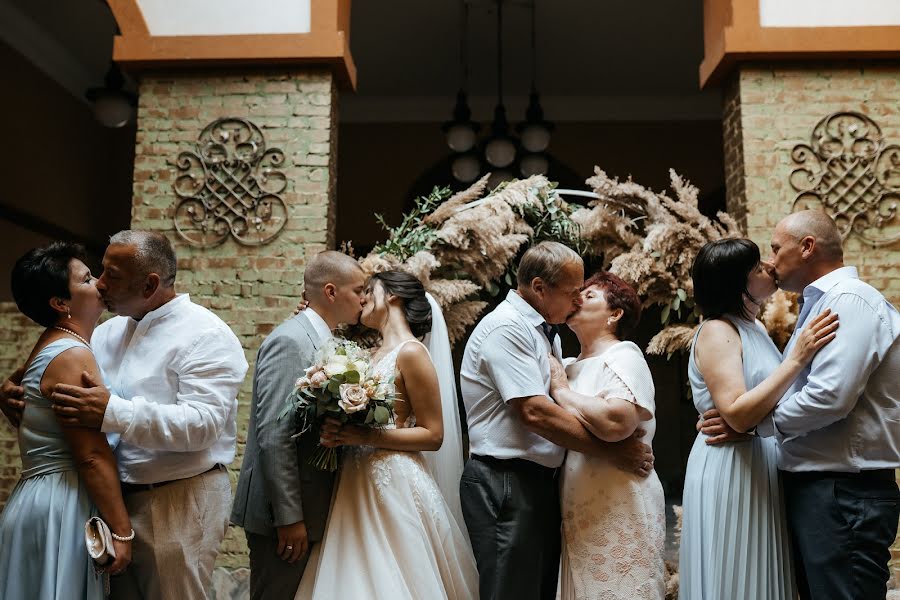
point(551, 331)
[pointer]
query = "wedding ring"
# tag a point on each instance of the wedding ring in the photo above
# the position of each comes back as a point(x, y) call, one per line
point(289, 547)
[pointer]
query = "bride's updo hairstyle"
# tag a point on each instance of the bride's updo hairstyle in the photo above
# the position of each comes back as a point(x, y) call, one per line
point(410, 290)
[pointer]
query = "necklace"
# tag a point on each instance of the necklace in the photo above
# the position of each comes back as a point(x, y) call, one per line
point(70, 332)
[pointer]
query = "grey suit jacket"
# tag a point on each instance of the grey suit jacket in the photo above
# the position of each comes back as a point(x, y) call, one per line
point(276, 486)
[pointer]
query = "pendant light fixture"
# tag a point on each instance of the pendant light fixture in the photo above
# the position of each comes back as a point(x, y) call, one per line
point(503, 154)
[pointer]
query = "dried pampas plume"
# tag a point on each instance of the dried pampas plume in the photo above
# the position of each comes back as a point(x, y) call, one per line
point(460, 316)
point(468, 234)
point(650, 239)
point(420, 265)
point(779, 315)
point(377, 263)
point(673, 338)
point(448, 208)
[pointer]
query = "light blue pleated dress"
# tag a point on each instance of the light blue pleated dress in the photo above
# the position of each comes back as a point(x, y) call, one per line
point(42, 550)
point(734, 539)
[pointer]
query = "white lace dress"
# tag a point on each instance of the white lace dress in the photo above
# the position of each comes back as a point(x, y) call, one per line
point(390, 534)
point(614, 523)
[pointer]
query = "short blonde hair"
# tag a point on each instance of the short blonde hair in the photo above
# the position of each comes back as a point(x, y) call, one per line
point(546, 260)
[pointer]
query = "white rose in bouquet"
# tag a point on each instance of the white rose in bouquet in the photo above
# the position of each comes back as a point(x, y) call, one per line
point(353, 398)
point(337, 364)
point(360, 366)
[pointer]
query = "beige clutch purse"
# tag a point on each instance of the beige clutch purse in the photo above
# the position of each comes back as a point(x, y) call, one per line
point(99, 541)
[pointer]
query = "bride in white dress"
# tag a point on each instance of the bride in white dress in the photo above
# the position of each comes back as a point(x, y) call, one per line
point(395, 529)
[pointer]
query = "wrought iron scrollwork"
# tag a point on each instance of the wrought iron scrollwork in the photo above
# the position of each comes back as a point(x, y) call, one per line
point(230, 185)
point(849, 171)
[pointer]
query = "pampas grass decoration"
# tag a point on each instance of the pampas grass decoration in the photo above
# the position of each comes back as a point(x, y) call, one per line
point(779, 315)
point(448, 208)
point(649, 239)
point(673, 338)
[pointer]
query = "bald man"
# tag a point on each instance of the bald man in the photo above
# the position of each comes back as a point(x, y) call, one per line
point(838, 426)
point(281, 501)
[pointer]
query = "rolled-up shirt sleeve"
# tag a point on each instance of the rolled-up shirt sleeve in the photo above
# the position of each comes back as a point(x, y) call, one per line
point(508, 356)
point(209, 378)
point(838, 373)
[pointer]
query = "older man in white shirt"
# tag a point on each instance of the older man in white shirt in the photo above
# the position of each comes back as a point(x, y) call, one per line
point(518, 435)
point(174, 369)
point(838, 426)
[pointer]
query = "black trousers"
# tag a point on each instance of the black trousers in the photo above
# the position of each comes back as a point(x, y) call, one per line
point(511, 508)
point(842, 527)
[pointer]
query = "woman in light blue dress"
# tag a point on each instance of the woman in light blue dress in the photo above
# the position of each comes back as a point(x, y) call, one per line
point(734, 540)
point(68, 473)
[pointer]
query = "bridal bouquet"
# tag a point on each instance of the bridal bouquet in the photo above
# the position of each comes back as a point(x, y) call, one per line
point(340, 384)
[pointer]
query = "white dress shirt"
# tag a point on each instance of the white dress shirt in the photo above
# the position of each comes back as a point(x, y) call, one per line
point(318, 324)
point(506, 358)
point(174, 378)
point(843, 412)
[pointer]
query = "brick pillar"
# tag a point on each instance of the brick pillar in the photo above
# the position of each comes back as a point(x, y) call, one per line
point(733, 142)
point(18, 335)
point(250, 288)
point(768, 109)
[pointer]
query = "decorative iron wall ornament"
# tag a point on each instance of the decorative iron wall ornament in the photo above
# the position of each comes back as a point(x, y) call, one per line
point(230, 184)
point(848, 171)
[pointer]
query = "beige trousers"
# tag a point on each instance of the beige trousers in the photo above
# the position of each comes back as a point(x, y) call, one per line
point(178, 528)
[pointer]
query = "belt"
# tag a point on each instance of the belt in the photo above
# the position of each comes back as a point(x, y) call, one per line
point(133, 488)
point(887, 475)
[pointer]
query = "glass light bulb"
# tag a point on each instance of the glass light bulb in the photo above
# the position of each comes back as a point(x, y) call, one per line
point(534, 164)
point(112, 109)
point(460, 137)
point(465, 168)
point(500, 152)
point(535, 138)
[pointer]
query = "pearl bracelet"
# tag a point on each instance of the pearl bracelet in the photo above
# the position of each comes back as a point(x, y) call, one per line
point(120, 538)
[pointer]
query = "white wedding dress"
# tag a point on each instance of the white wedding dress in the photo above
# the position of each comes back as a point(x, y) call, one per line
point(391, 534)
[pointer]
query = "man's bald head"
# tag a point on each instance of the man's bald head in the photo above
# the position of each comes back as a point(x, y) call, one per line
point(818, 225)
point(329, 267)
point(805, 246)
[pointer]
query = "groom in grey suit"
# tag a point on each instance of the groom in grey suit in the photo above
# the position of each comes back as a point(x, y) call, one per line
point(281, 501)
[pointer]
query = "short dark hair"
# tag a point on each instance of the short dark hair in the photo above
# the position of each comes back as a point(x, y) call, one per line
point(618, 294)
point(415, 304)
point(720, 275)
point(42, 274)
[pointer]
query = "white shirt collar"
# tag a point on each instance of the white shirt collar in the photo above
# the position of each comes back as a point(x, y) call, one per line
point(165, 309)
point(829, 280)
point(525, 309)
point(319, 325)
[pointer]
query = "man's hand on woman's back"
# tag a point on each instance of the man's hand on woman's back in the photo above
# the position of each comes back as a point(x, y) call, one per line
point(11, 394)
point(631, 454)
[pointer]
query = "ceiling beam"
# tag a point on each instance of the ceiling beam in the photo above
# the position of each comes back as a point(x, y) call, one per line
point(33, 42)
point(436, 109)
